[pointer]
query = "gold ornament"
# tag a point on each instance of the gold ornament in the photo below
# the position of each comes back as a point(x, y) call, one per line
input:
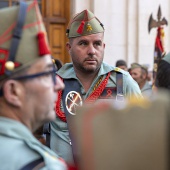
point(89, 27)
point(9, 65)
point(117, 69)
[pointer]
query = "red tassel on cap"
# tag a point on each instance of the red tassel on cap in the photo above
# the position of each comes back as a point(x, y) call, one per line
point(43, 48)
point(81, 27)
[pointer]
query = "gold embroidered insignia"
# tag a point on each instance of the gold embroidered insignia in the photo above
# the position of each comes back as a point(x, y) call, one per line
point(117, 69)
point(89, 27)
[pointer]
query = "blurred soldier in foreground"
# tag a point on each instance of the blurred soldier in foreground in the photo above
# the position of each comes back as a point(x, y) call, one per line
point(28, 87)
point(135, 136)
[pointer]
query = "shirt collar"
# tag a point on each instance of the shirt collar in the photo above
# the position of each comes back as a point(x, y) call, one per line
point(67, 70)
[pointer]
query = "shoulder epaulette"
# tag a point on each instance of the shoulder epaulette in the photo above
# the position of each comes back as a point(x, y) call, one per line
point(117, 69)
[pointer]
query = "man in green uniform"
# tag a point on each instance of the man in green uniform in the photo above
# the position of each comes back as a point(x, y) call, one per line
point(28, 86)
point(86, 79)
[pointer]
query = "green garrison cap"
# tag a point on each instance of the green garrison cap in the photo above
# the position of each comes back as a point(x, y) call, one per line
point(28, 32)
point(84, 23)
point(167, 58)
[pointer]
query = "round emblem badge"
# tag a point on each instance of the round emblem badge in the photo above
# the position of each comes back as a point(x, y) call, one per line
point(72, 100)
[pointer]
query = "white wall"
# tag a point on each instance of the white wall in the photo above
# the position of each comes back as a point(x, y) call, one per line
point(126, 27)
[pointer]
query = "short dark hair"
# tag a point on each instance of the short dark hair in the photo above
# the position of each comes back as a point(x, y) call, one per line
point(121, 63)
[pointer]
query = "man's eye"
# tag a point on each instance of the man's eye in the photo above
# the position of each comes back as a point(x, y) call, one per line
point(98, 43)
point(82, 43)
point(47, 75)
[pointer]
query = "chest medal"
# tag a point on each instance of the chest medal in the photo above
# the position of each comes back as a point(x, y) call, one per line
point(72, 100)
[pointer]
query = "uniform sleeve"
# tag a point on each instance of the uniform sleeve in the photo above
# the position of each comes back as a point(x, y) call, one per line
point(130, 87)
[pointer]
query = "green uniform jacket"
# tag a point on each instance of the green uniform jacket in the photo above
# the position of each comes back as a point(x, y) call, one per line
point(60, 140)
point(18, 147)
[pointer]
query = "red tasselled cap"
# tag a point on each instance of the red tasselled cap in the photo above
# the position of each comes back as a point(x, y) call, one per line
point(82, 24)
point(42, 38)
point(81, 27)
point(42, 44)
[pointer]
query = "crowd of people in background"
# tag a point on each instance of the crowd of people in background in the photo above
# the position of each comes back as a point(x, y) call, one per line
point(140, 74)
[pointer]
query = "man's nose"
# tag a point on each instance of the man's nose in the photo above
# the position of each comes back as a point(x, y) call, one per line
point(59, 85)
point(91, 49)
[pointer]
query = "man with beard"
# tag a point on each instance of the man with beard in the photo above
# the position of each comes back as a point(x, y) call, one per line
point(87, 79)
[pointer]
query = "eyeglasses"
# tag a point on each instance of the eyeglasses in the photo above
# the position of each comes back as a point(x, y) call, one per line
point(52, 73)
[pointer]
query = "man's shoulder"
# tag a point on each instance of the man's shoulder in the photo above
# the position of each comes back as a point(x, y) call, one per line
point(66, 67)
point(119, 70)
point(15, 145)
point(108, 68)
point(66, 71)
point(16, 153)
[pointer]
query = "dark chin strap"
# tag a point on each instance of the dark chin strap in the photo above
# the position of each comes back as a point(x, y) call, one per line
point(17, 33)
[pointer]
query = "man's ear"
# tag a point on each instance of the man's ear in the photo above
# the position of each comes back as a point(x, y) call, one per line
point(12, 91)
point(68, 46)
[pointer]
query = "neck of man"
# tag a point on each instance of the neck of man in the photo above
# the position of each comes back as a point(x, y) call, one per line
point(86, 79)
